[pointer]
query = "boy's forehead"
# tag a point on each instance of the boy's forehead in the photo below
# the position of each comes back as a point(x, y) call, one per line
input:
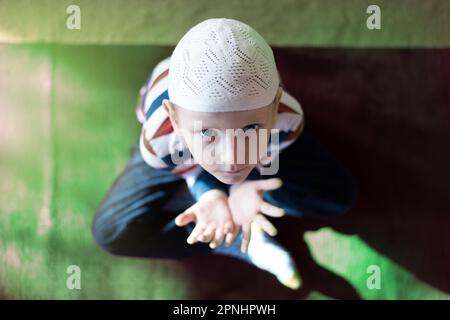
point(230, 119)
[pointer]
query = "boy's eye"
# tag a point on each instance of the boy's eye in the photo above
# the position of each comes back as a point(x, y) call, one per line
point(207, 133)
point(251, 126)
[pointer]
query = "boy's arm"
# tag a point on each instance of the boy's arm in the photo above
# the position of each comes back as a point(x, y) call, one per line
point(204, 182)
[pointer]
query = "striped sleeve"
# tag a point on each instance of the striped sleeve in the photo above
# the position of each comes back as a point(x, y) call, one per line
point(153, 92)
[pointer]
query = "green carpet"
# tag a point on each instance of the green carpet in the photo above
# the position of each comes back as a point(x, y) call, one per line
point(67, 124)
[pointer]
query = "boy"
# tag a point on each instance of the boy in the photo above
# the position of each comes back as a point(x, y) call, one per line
point(197, 177)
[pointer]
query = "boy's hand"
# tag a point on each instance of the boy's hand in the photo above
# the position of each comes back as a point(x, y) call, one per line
point(246, 204)
point(212, 217)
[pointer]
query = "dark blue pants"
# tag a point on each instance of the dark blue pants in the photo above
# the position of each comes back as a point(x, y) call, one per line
point(136, 218)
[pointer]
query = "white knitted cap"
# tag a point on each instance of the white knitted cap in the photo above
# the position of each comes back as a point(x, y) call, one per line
point(222, 65)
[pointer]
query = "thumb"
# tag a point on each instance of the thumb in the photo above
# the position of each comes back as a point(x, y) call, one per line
point(269, 184)
point(185, 218)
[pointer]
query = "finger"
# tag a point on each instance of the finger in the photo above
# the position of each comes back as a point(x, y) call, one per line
point(231, 236)
point(228, 227)
point(271, 210)
point(266, 225)
point(185, 218)
point(209, 230)
point(269, 184)
point(218, 239)
point(208, 234)
point(246, 231)
point(193, 237)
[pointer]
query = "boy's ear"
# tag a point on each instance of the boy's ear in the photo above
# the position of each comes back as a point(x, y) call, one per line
point(170, 109)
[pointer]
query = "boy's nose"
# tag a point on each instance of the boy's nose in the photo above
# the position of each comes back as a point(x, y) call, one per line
point(228, 153)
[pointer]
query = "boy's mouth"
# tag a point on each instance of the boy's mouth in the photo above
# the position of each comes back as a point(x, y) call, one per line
point(232, 172)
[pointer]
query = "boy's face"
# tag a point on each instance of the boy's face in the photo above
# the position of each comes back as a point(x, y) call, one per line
point(226, 144)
